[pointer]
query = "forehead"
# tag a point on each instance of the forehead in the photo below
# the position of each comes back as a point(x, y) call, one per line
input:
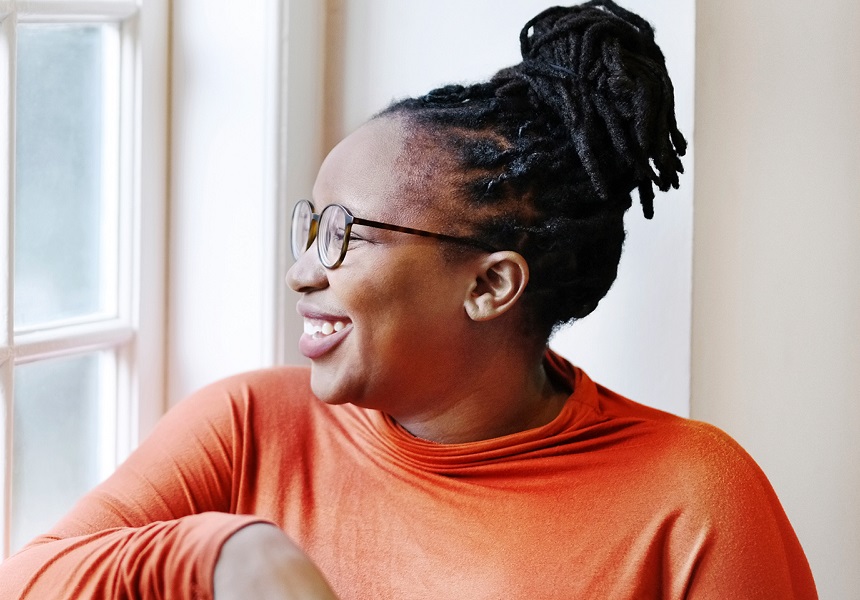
point(378, 172)
point(361, 171)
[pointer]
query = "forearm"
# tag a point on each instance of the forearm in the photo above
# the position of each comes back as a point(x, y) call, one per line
point(261, 562)
point(161, 560)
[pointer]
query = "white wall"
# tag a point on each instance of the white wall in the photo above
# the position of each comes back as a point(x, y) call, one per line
point(237, 160)
point(776, 329)
point(218, 157)
point(637, 342)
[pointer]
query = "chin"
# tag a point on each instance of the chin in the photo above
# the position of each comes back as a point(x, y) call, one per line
point(324, 388)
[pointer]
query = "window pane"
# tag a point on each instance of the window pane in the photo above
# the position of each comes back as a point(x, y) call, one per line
point(66, 148)
point(61, 432)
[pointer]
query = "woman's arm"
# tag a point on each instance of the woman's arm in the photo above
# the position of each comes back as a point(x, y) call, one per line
point(261, 562)
point(156, 527)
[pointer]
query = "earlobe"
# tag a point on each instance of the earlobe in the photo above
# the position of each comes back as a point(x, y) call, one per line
point(499, 282)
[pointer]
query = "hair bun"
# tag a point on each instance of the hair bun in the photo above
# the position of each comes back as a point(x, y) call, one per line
point(599, 69)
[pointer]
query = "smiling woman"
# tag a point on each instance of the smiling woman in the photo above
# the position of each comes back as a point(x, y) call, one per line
point(436, 448)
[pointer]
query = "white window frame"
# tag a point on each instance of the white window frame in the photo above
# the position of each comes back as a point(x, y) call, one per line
point(278, 119)
point(135, 330)
point(296, 116)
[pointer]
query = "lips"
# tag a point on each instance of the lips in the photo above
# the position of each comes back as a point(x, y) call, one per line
point(322, 331)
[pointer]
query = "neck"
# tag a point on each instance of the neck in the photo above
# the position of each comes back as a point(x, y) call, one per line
point(504, 394)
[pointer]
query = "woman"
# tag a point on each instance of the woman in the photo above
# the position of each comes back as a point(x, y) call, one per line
point(436, 448)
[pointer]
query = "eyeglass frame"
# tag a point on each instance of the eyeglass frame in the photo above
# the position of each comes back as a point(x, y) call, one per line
point(353, 220)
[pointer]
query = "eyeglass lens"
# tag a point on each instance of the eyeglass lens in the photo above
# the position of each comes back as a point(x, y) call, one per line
point(301, 228)
point(332, 235)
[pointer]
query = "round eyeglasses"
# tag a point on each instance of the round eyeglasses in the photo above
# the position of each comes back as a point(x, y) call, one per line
point(332, 227)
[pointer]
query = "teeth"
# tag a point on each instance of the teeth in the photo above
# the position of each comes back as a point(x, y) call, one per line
point(323, 328)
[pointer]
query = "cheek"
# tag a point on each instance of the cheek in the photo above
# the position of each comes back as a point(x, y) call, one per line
point(409, 298)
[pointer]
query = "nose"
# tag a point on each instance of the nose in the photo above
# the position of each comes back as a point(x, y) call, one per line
point(307, 274)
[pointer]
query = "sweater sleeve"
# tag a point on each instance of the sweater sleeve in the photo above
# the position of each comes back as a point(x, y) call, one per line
point(745, 547)
point(153, 529)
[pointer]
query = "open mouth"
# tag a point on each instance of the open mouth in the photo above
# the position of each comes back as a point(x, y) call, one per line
point(322, 335)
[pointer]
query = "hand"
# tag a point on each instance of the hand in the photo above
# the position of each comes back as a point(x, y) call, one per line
point(259, 561)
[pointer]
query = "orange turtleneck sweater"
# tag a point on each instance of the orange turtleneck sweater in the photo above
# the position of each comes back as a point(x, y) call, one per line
point(610, 500)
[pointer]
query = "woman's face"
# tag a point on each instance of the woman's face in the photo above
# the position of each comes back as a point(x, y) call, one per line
point(387, 328)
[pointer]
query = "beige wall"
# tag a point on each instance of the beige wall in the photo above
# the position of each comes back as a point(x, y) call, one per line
point(776, 271)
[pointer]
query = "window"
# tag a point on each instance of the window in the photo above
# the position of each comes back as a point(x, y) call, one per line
point(81, 263)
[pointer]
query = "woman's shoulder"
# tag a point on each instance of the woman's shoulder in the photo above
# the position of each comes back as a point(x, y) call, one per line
point(293, 379)
point(645, 435)
point(282, 382)
point(271, 395)
point(676, 452)
point(719, 502)
point(684, 444)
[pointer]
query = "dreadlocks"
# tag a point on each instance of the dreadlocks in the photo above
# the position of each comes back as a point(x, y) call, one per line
point(549, 150)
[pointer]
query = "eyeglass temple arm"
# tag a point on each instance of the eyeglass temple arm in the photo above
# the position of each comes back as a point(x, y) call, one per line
point(421, 232)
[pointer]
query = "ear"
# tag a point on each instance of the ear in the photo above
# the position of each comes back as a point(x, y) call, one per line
point(499, 282)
